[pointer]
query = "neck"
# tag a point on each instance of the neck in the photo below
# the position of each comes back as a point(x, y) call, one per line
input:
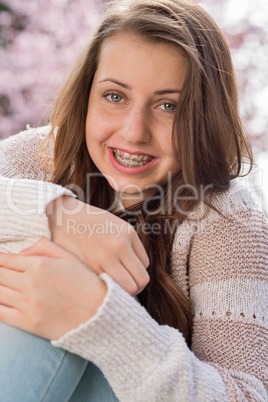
point(131, 199)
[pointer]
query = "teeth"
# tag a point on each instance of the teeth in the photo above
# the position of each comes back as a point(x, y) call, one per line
point(131, 160)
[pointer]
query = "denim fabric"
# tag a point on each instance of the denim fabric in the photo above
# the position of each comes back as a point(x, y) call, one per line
point(32, 370)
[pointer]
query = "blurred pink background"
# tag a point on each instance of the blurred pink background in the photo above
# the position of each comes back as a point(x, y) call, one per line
point(40, 41)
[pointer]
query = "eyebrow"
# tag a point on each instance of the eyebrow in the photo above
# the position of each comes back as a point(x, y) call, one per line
point(160, 92)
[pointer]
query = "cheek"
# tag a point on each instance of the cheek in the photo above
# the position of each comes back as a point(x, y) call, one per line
point(172, 158)
point(94, 129)
point(98, 128)
point(167, 144)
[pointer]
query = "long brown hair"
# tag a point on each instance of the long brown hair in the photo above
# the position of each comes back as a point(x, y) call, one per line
point(207, 134)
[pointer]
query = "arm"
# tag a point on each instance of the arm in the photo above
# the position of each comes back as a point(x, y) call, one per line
point(23, 211)
point(141, 359)
point(23, 202)
point(29, 205)
point(161, 364)
point(228, 290)
point(145, 361)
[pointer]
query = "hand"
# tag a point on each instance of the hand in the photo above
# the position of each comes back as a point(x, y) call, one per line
point(48, 295)
point(103, 241)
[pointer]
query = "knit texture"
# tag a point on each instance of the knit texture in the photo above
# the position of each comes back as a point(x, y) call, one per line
point(219, 259)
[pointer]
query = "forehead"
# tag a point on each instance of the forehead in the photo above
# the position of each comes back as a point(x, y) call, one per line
point(130, 54)
point(132, 37)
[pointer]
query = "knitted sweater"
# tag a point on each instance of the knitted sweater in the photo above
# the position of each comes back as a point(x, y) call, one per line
point(226, 257)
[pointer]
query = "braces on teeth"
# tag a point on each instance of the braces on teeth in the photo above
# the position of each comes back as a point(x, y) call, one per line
point(128, 160)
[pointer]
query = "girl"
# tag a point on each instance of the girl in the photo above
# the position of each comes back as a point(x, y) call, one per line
point(146, 133)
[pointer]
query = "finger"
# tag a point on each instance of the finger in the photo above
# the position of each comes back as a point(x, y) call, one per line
point(140, 252)
point(9, 297)
point(13, 261)
point(10, 278)
point(121, 276)
point(12, 316)
point(136, 269)
point(45, 247)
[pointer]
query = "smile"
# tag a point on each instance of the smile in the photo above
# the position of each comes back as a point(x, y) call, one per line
point(131, 164)
point(131, 160)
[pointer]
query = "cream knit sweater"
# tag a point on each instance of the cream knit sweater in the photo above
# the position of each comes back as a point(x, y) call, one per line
point(227, 258)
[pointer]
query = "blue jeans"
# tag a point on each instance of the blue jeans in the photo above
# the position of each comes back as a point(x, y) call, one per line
point(32, 370)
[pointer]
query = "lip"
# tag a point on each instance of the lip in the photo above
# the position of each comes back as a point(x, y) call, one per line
point(130, 170)
point(132, 152)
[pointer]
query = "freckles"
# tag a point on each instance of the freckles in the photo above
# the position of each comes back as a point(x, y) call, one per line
point(99, 133)
point(97, 127)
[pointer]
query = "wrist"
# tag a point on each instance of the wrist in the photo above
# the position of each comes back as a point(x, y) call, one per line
point(100, 294)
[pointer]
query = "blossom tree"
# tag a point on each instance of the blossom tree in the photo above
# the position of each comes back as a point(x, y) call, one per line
point(39, 41)
point(245, 24)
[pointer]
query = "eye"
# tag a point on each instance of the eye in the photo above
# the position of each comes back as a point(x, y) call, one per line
point(113, 98)
point(168, 107)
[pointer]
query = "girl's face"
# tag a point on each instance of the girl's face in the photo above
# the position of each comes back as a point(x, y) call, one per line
point(130, 114)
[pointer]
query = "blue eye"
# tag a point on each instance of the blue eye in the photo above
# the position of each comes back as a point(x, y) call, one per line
point(114, 98)
point(169, 107)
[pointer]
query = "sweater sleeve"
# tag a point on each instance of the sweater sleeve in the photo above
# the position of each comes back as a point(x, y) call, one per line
point(228, 290)
point(23, 211)
point(144, 361)
point(24, 195)
point(18, 154)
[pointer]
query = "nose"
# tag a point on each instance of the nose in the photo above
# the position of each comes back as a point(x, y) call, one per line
point(136, 127)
